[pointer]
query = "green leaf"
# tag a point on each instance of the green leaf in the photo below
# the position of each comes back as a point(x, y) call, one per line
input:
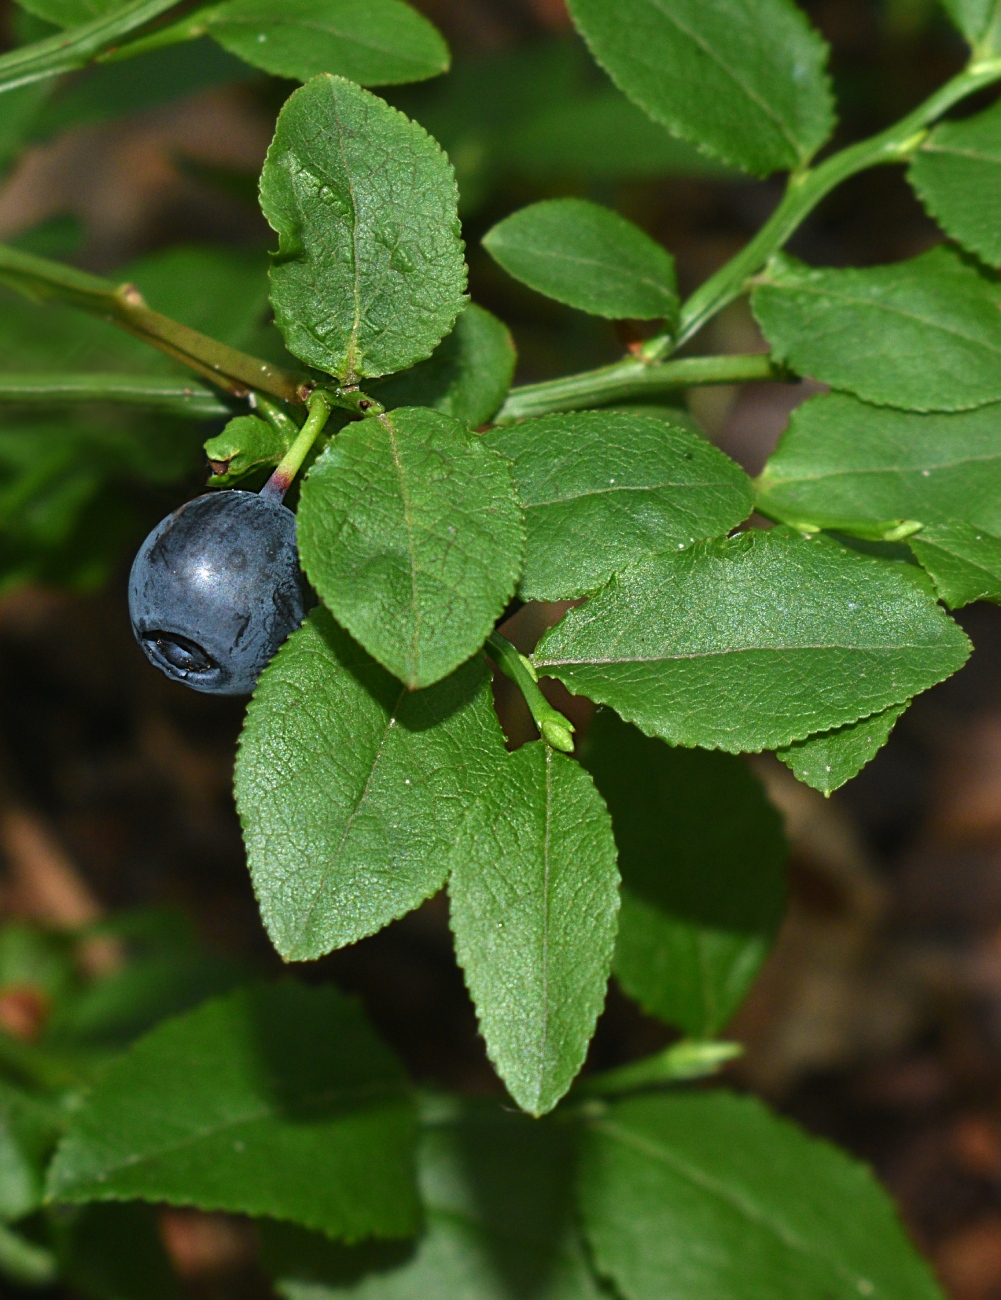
point(957, 176)
point(24, 1261)
point(742, 79)
point(604, 488)
point(369, 275)
point(722, 1198)
point(410, 532)
point(28, 1133)
point(496, 1189)
point(924, 335)
point(588, 257)
point(534, 894)
point(753, 642)
point(843, 464)
point(246, 446)
point(276, 1101)
point(702, 853)
point(964, 562)
point(979, 21)
point(374, 42)
point(352, 789)
point(467, 376)
point(830, 759)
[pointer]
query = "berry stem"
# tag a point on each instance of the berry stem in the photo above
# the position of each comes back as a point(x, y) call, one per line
point(284, 476)
point(554, 728)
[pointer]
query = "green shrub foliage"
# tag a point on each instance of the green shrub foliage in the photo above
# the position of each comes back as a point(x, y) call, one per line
point(373, 771)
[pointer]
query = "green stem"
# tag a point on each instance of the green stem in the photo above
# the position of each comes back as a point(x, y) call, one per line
point(631, 379)
point(276, 416)
point(648, 373)
point(123, 305)
point(678, 1063)
point(555, 729)
point(187, 399)
point(74, 48)
point(188, 29)
point(284, 476)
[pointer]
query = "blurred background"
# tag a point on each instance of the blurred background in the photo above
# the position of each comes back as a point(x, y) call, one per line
point(877, 1021)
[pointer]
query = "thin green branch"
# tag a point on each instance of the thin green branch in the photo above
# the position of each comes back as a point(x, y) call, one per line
point(554, 728)
point(187, 399)
point(629, 380)
point(76, 47)
point(284, 476)
point(123, 305)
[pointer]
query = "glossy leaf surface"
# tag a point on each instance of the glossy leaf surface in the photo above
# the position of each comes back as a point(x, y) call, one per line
point(743, 80)
point(276, 1101)
point(369, 275)
point(753, 642)
point(701, 853)
point(373, 42)
point(829, 760)
point(604, 488)
point(588, 257)
point(924, 335)
point(712, 1196)
point(534, 895)
point(351, 788)
point(845, 463)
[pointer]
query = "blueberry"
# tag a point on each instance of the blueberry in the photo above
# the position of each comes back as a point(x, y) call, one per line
point(216, 589)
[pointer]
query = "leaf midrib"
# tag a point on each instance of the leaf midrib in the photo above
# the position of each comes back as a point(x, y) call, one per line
point(731, 1198)
point(735, 650)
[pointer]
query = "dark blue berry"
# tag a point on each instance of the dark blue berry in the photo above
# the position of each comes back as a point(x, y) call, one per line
point(216, 589)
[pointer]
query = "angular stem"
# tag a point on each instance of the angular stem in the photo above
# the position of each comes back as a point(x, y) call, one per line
point(632, 379)
point(284, 476)
point(554, 728)
point(74, 48)
point(123, 305)
point(187, 399)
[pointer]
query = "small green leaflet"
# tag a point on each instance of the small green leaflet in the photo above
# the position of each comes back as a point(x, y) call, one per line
point(374, 42)
point(702, 854)
point(604, 488)
point(534, 894)
point(369, 275)
point(410, 531)
point(588, 257)
point(924, 335)
point(351, 788)
point(246, 446)
point(275, 1101)
point(468, 375)
point(979, 21)
point(28, 1132)
point(500, 1224)
point(964, 562)
point(753, 642)
point(957, 176)
point(743, 80)
point(844, 464)
point(722, 1198)
point(829, 760)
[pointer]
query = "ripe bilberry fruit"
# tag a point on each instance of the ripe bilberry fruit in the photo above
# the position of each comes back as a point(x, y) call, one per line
point(216, 589)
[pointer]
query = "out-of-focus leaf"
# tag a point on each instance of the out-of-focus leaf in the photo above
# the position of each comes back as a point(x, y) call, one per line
point(701, 853)
point(114, 1252)
point(276, 1101)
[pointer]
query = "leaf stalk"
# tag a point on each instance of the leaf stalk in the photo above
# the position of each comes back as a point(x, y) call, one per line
point(555, 729)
